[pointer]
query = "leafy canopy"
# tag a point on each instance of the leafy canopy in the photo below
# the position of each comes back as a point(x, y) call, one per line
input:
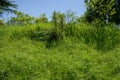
point(102, 10)
point(7, 6)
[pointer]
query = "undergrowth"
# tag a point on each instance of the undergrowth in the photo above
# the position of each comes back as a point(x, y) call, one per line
point(80, 52)
point(102, 37)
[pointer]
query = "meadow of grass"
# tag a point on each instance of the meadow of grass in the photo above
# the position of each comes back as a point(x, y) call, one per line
point(38, 52)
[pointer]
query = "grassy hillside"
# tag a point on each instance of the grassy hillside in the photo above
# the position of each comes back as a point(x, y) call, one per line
point(80, 52)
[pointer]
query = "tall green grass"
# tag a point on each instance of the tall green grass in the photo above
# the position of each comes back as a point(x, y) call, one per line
point(102, 37)
point(31, 53)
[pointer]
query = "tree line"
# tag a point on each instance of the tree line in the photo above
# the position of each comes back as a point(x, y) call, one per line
point(107, 11)
point(103, 10)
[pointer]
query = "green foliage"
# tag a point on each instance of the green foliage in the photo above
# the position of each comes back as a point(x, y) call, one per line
point(116, 17)
point(58, 20)
point(33, 33)
point(65, 48)
point(2, 23)
point(105, 38)
point(25, 19)
point(70, 60)
point(102, 37)
point(70, 16)
point(103, 10)
point(7, 6)
point(34, 52)
point(21, 19)
point(41, 19)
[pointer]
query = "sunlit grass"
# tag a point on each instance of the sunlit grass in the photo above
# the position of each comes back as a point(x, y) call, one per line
point(70, 58)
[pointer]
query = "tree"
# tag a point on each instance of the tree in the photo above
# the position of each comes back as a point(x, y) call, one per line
point(41, 19)
point(54, 19)
point(7, 6)
point(70, 16)
point(58, 20)
point(21, 19)
point(102, 10)
point(116, 17)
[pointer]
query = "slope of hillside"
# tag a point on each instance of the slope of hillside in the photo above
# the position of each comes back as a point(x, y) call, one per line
point(29, 53)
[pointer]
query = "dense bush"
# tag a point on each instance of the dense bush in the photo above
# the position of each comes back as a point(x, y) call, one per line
point(102, 37)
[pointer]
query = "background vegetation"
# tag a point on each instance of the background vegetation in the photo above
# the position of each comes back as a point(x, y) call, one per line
point(67, 47)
